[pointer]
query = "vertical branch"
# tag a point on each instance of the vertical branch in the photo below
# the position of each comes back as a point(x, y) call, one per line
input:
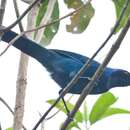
point(2, 10)
point(21, 84)
point(20, 92)
point(17, 15)
point(0, 127)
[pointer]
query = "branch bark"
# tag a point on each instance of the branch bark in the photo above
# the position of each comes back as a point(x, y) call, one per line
point(20, 17)
point(2, 10)
point(97, 75)
point(20, 92)
point(21, 84)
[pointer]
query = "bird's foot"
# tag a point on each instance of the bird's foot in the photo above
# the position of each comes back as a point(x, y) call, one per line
point(69, 116)
point(82, 77)
point(65, 105)
point(67, 109)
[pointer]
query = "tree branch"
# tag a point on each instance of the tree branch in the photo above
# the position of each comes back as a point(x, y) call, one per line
point(83, 69)
point(40, 27)
point(27, 1)
point(9, 108)
point(2, 10)
point(20, 17)
point(97, 75)
point(20, 86)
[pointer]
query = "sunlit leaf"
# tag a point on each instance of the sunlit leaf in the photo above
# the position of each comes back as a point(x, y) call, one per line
point(73, 125)
point(81, 19)
point(73, 3)
point(85, 112)
point(78, 117)
point(113, 111)
point(51, 30)
point(101, 105)
point(118, 7)
point(9, 129)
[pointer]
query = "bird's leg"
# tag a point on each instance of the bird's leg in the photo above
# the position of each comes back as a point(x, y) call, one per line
point(67, 109)
point(65, 105)
point(89, 79)
point(82, 77)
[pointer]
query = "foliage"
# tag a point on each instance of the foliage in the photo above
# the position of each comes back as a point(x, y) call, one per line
point(50, 31)
point(101, 109)
point(119, 4)
point(9, 128)
point(79, 21)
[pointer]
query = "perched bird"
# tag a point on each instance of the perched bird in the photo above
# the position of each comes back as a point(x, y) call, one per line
point(63, 65)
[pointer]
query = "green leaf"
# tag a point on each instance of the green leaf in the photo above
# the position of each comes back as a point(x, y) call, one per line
point(9, 128)
point(73, 3)
point(118, 7)
point(113, 111)
point(50, 31)
point(85, 112)
point(73, 125)
point(100, 106)
point(81, 19)
point(78, 117)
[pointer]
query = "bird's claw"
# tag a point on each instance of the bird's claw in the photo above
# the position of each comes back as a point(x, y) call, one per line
point(70, 118)
point(83, 77)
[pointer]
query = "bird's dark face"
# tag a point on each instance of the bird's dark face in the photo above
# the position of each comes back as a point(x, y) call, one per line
point(119, 78)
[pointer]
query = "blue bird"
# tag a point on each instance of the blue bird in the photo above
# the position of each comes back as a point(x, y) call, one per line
point(63, 65)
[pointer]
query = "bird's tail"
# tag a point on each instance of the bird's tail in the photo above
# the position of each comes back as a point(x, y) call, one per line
point(29, 47)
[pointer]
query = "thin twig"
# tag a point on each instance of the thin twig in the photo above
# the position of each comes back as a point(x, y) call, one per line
point(60, 109)
point(97, 74)
point(2, 10)
point(42, 124)
point(6, 104)
point(46, 113)
point(40, 27)
point(9, 108)
point(20, 17)
point(27, 1)
point(83, 69)
point(48, 25)
point(11, 43)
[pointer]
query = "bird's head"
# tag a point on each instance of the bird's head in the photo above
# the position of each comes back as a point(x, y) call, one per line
point(119, 78)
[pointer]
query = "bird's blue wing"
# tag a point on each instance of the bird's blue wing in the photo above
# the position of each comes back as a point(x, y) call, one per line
point(75, 56)
point(72, 55)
